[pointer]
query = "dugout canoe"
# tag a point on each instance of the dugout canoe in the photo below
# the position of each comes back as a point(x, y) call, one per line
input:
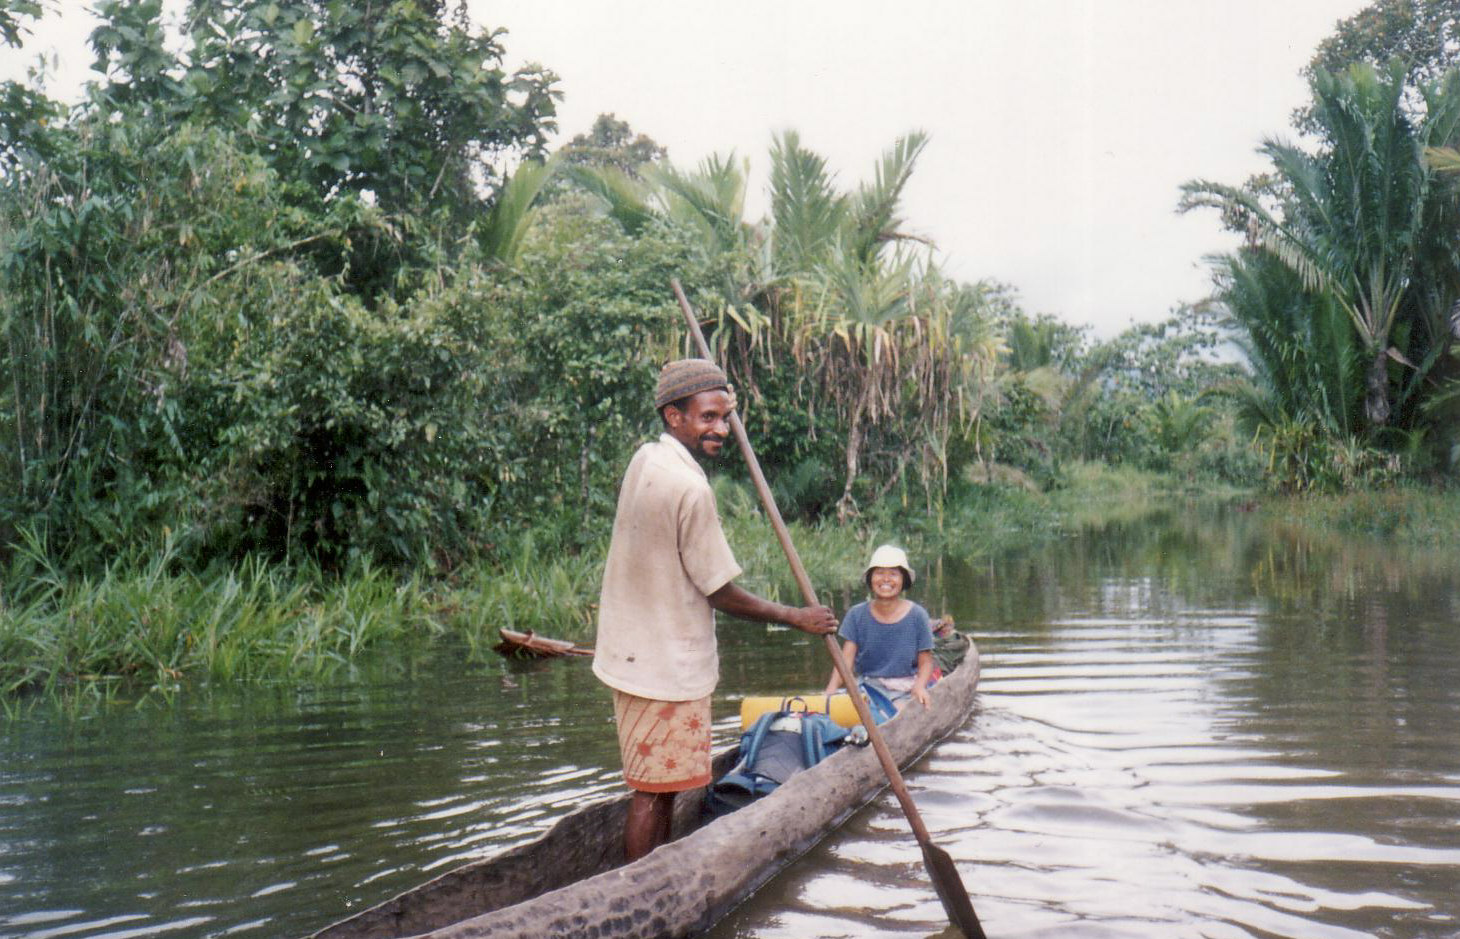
point(571, 881)
point(529, 645)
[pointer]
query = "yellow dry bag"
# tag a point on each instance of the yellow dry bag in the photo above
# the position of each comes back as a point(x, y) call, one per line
point(837, 706)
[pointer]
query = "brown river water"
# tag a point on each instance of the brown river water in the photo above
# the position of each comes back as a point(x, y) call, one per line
point(1191, 724)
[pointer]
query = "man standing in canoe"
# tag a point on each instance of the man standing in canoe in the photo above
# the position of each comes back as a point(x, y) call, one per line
point(669, 568)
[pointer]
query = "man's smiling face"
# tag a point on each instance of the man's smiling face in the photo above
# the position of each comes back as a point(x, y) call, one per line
point(704, 423)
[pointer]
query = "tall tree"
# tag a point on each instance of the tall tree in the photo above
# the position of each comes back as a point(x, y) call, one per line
point(1423, 34)
point(612, 142)
point(892, 357)
point(897, 351)
point(404, 100)
point(27, 116)
point(1353, 218)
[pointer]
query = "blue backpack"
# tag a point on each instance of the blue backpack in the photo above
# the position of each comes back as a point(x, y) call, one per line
point(780, 744)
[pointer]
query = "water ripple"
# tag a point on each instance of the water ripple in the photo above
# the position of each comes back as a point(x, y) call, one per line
point(1131, 778)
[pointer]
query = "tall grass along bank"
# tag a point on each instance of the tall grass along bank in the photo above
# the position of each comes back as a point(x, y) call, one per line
point(150, 626)
point(1409, 515)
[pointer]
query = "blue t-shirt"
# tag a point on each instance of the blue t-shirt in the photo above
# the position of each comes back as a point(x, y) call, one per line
point(887, 650)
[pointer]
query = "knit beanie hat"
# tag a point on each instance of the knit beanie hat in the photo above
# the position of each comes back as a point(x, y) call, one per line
point(687, 377)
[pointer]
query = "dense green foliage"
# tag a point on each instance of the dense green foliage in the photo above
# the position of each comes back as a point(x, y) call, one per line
point(1423, 35)
point(403, 102)
point(1413, 516)
point(269, 290)
point(255, 344)
point(589, 319)
point(175, 360)
point(300, 292)
point(148, 620)
point(1346, 290)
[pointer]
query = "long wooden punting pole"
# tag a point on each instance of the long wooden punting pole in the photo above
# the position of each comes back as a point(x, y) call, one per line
point(940, 866)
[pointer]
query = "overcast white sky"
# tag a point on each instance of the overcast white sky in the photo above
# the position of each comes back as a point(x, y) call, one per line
point(1060, 130)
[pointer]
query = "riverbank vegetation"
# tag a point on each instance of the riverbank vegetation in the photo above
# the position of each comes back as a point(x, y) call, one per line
point(146, 624)
point(1346, 292)
point(314, 344)
point(1419, 517)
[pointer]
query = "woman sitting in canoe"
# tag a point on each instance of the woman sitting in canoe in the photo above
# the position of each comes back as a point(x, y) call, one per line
point(889, 638)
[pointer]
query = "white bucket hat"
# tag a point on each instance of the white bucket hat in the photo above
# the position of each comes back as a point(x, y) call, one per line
point(890, 556)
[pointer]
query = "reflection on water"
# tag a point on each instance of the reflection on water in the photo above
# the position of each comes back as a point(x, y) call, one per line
point(1189, 727)
point(1192, 725)
point(268, 812)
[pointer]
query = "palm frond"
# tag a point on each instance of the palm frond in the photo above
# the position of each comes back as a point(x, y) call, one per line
point(874, 211)
point(626, 199)
point(709, 201)
point(807, 210)
point(501, 232)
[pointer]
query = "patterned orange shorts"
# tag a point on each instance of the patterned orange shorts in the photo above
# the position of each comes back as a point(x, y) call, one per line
point(665, 745)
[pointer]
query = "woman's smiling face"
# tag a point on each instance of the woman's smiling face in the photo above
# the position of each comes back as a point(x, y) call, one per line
point(886, 582)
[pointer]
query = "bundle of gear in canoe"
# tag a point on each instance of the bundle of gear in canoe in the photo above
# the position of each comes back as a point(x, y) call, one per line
point(783, 736)
point(779, 743)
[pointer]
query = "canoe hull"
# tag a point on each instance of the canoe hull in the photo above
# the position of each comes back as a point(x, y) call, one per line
point(682, 887)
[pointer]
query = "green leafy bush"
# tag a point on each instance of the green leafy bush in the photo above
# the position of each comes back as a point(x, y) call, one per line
point(321, 425)
point(110, 253)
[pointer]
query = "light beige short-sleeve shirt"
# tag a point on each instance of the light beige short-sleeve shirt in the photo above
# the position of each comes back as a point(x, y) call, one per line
point(656, 628)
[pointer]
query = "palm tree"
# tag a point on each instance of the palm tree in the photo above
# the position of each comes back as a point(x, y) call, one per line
point(1307, 361)
point(808, 214)
point(885, 348)
point(1352, 218)
point(504, 225)
point(1179, 424)
point(859, 315)
point(707, 203)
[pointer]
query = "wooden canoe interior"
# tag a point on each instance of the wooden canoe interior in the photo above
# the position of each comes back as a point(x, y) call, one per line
point(582, 844)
